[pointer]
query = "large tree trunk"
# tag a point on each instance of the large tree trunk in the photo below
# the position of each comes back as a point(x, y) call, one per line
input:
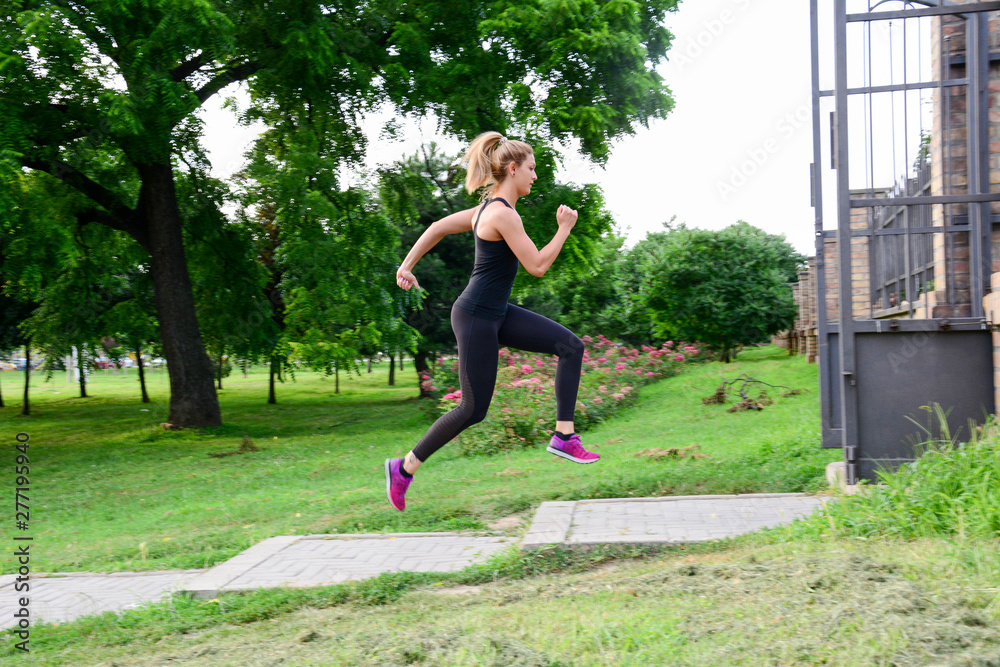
point(392, 370)
point(142, 376)
point(193, 400)
point(1, 399)
point(25, 407)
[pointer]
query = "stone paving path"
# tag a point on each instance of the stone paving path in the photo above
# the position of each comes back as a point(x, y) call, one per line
point(665, 519)
point(316, 560)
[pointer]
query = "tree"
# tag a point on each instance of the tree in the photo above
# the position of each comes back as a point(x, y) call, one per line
point(12, 314)
point(329, 253)
point(27, 267)
point(228, 282)
point(723, 288)
point(123, 80)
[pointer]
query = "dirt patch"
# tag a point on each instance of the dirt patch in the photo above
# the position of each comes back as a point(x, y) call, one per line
point(458, 590)
point(507, 523)
point(673, 453)
point(246, 446)
point(512, 472)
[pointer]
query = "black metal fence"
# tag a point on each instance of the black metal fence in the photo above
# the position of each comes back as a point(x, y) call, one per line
point(914, 258)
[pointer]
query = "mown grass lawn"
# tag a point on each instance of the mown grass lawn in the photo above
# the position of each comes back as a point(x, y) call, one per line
point(112, 490)
point(106, 478)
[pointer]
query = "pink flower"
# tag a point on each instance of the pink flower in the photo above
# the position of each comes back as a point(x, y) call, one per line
point(453, 396)
point(618, 396)
point(638, 371)
point(603, 389)
point(425, 376)
point(525, 368)
point(539, 363)
point(649, 374)
point(627, 389)
point(619, 367)
point(693, 351)
point(605, 370)
point(587, 339)
point(504, 352)
point(668, 343)
point(602, 360)
point(597, 400)
point(504, 409)
point(678, 357)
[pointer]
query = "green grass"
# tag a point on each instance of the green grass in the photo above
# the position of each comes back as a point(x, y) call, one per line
point(111, 490)
point(951, 490)
point(112, 479)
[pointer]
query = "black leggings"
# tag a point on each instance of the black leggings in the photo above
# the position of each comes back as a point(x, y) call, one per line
point(479, 342)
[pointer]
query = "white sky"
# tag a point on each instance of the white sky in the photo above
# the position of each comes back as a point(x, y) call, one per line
point(738, 143)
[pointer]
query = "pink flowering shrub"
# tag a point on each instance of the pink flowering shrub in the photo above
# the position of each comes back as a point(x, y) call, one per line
point(523, 409)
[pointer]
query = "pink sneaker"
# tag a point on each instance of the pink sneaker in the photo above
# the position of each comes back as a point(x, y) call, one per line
point(571, 449)
point(395, 484)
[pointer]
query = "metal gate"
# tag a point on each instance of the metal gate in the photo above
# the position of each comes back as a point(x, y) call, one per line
point(909, 261)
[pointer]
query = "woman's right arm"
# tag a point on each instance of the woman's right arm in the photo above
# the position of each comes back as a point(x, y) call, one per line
point(535, 261)
point(451, 224)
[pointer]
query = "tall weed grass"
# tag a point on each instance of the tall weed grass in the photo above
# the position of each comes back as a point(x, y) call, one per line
point(950, 490)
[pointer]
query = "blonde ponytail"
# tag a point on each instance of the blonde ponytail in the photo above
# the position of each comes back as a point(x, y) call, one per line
point(488, 157)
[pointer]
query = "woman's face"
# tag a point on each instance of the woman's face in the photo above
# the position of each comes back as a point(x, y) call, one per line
point(524, 175)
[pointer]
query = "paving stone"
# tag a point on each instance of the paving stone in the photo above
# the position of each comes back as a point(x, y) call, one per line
point(315, 560)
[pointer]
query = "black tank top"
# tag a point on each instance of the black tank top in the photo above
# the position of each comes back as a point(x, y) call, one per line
point(493, 275)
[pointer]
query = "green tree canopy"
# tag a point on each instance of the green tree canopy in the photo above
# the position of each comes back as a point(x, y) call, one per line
point(723, 288)
point(102, 96)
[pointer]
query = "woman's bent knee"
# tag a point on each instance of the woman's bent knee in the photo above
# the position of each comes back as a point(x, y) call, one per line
point(573, 347)
point(477, 416)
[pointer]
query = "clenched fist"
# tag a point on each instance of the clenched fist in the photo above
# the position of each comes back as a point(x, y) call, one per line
point(566, 217)
point(406, 279)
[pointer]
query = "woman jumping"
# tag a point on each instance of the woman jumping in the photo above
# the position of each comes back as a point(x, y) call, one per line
point(482, 319)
